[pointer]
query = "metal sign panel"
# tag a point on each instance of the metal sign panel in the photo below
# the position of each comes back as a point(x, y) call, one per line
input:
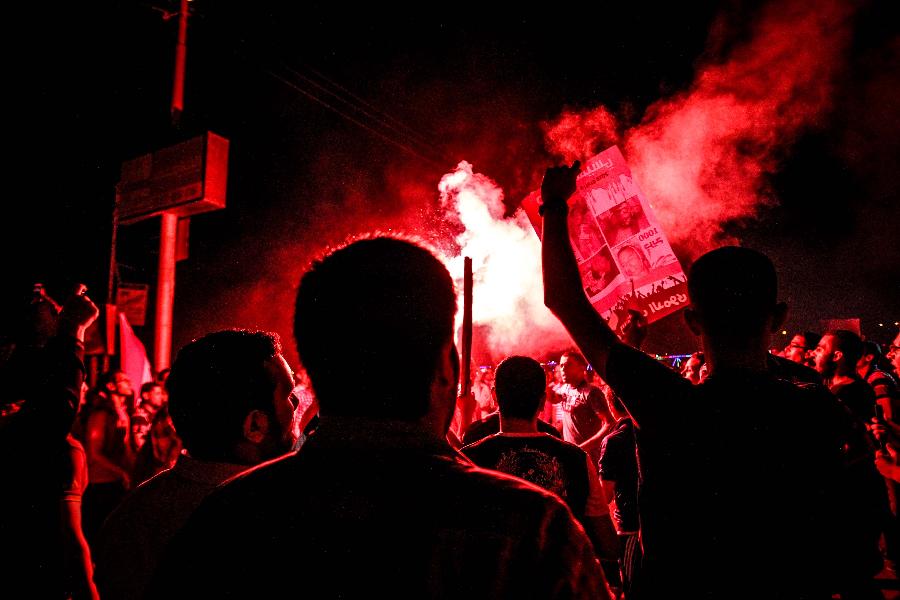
point(131, 300)
point(185, 179)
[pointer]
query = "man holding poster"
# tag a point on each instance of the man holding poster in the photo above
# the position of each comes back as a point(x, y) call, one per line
point(739, 495)
point(623, 255)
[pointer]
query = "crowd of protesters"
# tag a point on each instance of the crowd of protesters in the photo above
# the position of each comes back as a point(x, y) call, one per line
point(746, 472)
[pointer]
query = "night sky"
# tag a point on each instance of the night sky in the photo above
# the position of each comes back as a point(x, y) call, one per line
point(343, 120)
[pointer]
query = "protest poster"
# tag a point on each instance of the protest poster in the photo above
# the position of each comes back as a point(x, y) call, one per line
point(625, 260)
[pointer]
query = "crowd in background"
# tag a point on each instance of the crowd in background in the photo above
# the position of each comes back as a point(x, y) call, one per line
point(630, 478)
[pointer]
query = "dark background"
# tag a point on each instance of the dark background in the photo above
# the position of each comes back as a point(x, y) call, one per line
point(90, 85)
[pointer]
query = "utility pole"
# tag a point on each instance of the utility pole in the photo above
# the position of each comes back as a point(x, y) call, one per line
point(168, 234)
point(174, 183)
point(180, 57)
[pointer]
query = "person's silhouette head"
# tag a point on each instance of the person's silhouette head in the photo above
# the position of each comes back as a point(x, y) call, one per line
point(230, 397)
point(733, 293)
point(520, 383)
point(369, 310)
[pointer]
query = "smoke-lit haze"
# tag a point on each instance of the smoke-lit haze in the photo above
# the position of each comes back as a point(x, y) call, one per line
point(702, 156)
point(506, 257)
point(770, 124)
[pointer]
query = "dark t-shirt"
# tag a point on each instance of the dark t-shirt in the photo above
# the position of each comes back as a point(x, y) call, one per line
point(365, 509)
point(41, 467)
point(491, 425)
point(859, 397)
point(737, 477)
point(788, 370)
point(618, 462)
point(866, 498)
point(548, 462)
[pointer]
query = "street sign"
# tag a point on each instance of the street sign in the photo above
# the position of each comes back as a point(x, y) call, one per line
point(131, 300)
point(184, 179)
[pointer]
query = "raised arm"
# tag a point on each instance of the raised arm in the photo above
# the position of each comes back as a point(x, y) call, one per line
point(563, 293)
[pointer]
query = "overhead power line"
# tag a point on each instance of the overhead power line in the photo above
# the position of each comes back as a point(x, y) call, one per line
point(380, 134)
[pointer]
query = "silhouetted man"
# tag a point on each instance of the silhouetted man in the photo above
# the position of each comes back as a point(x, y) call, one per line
point(231, 404)
point(43, 550)
point(376, 503)
point(521, 449)
point(836, 357)
point(735, 479)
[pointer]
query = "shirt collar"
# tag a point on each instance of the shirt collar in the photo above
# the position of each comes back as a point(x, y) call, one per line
point(363, 432)
point(202, 471)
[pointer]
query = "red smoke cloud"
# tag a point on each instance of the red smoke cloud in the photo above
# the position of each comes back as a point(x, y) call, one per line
point(702, 156)
point(578, 135)
point(507, 298)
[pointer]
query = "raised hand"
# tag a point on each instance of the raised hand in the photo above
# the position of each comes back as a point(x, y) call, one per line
point(77, 313)
point(559, 184)
point(634, 330)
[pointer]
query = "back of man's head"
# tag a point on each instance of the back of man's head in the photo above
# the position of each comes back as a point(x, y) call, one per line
point(215, 382)
point(872, 349)
point(733, 290)
point(371, 320)
point(811, 339)
point(520, 383)
point(850, 346)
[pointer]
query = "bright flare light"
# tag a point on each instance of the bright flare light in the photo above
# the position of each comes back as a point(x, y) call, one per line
point(506, 265)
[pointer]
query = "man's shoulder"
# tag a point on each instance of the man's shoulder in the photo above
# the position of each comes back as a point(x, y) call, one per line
point(561, 446)
point(248, 503)
point(475, 450)
point(516, 494)
point(540, 440)
point(877, 377)
point(479, 429)
point(622, 433)
point(791, 371)
point(153, 491)
point(252, 491)
point(143, 506)
point(627, 365)
point(256, 482)
point(786, 394)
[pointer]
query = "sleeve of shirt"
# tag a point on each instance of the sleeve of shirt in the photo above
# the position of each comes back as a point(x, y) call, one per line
point(648, 389)
point(66, 372)
point(57, 372)
point(885, 388)
point(77, 479)
point(597, 402)
point(596, 505)
point(608, 462)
